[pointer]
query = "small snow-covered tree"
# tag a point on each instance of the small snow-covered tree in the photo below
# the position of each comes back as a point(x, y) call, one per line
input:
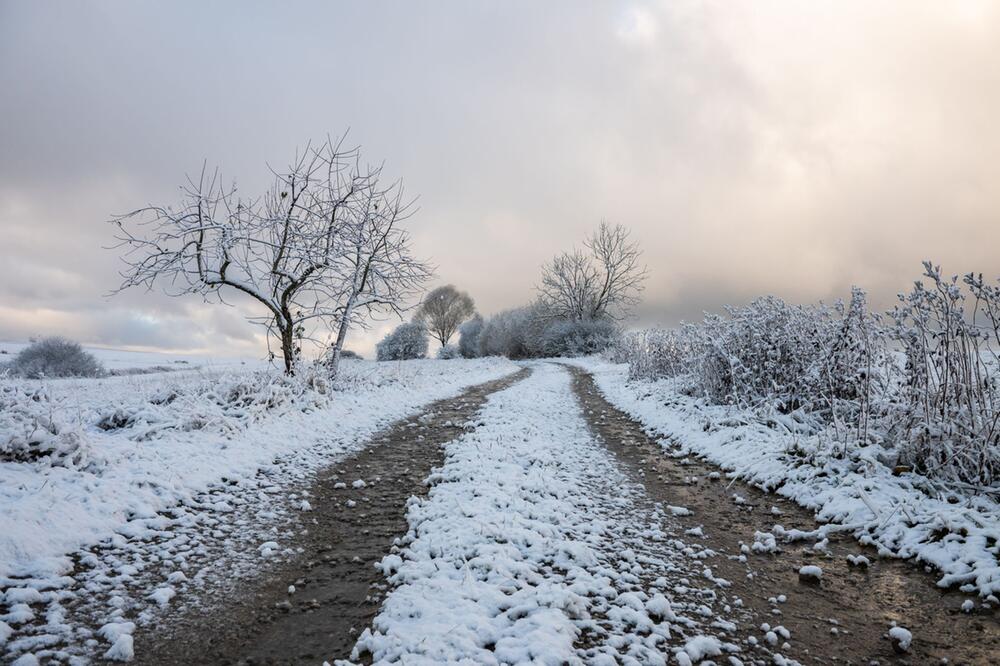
point(321, 248)
point(407, 341)
point(468, 337)
point(601, 281)
point(55, 357)
point(443, 310)
point(448, 352)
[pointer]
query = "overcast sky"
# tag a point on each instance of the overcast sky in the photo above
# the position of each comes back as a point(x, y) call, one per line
point(792, 148)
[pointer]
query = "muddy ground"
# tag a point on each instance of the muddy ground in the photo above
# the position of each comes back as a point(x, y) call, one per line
point(842, 620)
point(337, 589)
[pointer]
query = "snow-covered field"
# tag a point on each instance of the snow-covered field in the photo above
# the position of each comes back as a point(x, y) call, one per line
point(958, 536)
point(171, 438)
point(533, 547)
point(123, 360)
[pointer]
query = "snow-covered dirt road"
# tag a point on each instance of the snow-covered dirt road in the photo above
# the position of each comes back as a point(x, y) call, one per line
point(533, 546)
point(525, 521)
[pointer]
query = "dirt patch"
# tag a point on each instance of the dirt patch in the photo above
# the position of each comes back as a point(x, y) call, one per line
point(337, 589)
point(841, 620)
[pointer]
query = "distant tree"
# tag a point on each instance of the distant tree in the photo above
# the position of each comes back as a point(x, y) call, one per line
point(468, 337)
point(602, 281)
point(407, 341)
point(321, 249)
point(443, 311)
point(55, 357)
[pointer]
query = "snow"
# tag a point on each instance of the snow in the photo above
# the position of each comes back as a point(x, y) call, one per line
point(137, 482)
point(858, 495)
point(901, 638)
point(127, 360)
point(122, 650)
point(519, 547)
point(811, 572)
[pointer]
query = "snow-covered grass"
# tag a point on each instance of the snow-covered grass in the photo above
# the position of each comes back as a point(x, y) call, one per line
point(533, 547)
point(902, 516)
point(179, 442)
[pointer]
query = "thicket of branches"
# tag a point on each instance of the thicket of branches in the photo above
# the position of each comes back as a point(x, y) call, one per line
point(921, 380)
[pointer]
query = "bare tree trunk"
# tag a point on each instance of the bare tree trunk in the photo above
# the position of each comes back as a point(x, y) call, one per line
point(338, 345)
point(288, 348)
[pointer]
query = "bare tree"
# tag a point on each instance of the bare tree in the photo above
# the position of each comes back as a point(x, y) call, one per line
point(443, 311)
point(321, 248)
point(601, 282)
point(378, 272)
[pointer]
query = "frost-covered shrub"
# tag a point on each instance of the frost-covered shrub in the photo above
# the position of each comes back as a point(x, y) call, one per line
point(408, 341)
point(947, 416)
point(813, 360)
point(533, 332)
point(514, 333)
point(468, 337)
point(55, 357)
point(577, 338)
point(653, 353)
point(922, 383)
point(31, 432)
point(448, 352)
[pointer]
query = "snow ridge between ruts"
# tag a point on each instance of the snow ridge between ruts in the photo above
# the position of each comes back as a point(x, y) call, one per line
point(521, 547)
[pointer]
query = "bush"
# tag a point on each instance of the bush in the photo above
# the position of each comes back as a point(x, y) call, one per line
point(55, 357)
point(408, 341)
point(533, 332)
point(514, 333)
point(347, 353)
point(468, 337)
point(448, 352)
point(925, 387)
point(577, 338)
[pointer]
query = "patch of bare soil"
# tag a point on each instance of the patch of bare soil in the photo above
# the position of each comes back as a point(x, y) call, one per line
point(337, 589)
point(841, 620)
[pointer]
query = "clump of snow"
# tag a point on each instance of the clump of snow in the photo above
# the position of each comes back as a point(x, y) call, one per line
point(858, 561)
point(810, 573)
point(163, 595)
point(901, 639)
point(122, 650)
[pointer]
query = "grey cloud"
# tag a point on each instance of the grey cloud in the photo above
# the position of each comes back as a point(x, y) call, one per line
point(793, 149)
